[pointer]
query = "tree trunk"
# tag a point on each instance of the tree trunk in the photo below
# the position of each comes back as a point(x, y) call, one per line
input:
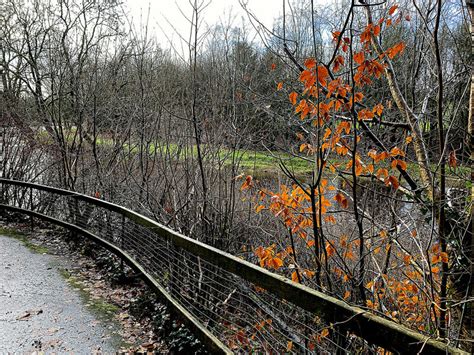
point(469, 324)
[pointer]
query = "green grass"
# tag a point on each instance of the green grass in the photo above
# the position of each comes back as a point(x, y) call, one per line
point(100, 307)
point(255, 162)
point(457, 178)
point(24, 240)
point(262, 164)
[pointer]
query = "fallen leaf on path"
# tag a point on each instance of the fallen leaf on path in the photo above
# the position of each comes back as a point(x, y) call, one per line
point(24, 316)
point(51, 331)
point(27, 314)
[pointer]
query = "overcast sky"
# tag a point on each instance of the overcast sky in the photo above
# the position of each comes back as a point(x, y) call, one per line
point(215, 12)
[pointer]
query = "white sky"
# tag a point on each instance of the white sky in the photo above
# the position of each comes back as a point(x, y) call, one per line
point(217, 11)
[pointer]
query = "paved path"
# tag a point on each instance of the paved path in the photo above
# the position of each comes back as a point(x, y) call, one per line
point(40, 311)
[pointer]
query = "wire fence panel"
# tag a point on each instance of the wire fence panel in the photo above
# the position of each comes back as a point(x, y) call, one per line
point(233, 306)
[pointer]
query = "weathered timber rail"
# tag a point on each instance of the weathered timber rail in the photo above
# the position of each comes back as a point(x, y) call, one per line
point(231, 305)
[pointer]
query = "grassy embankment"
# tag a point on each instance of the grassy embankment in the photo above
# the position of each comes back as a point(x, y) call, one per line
point(266, 164)
point(24, 240)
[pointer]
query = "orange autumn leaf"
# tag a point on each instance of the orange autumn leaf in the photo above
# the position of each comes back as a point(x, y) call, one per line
point(303, 107)
point(452, 161)
point(273, 66)
point(280, 86)
point(327, 133)
point(382, 172)
point(330, 219)
point(365, 114)
point(400, 163)
point(381, 156)
point(341, 150)
point(393, 181)
point(359, 57)
point(307, 77)
point(392, 10)
point(378, 109)
point(359, 168)
point(358, 96)
point(436, 248)
point(407, 259)
point(259, 208)
point(294, 277)
point(377, 68)
point(241, 336)
point(342, 200)
point(325, 332)
point(372, 154)
point(330, 249)
point(376, 30)
point(338, 63)
point(396, 49)
point(276, 263)
point(366, 34)
point(293, 96)
point(397, 151)
point(347, 294)
point(260, 252)
point(444, 257)
point(323, 74)
point(343, 126)
point(310, 63)
point(248, 183)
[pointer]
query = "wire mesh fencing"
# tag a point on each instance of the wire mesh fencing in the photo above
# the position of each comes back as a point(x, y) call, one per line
point(238, 306)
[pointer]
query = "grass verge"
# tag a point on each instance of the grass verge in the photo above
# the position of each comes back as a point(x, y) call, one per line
point(24, 240)
point(100, 308)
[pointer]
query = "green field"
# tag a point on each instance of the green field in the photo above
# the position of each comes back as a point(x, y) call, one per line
point(260, 164)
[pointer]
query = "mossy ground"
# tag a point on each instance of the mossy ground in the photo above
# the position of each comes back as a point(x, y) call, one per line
point(24, 240)
point(103, 310)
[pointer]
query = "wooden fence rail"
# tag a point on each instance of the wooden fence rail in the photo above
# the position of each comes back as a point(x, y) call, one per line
point(374, 329)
